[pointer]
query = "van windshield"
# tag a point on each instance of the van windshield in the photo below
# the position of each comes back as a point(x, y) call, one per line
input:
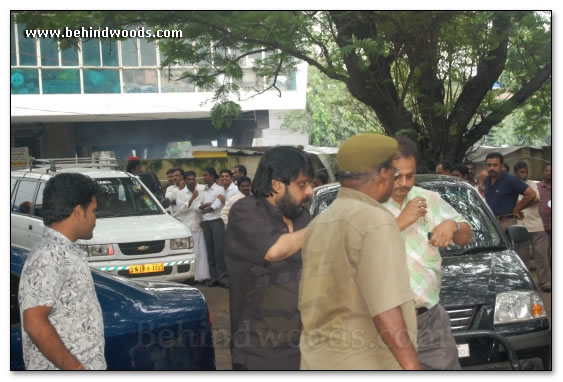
point(124, 197)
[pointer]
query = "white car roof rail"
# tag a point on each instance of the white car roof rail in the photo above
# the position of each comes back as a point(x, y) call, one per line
point(88, 162)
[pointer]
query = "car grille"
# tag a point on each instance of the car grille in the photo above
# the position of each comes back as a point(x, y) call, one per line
point(460, 318)
point(142, 247)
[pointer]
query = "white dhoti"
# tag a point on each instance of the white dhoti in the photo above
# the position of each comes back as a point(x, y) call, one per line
point(201, 264)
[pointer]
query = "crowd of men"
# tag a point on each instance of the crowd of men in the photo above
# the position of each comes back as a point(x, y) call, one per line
point(204, 209)
point(515, 199)
point(355, 288)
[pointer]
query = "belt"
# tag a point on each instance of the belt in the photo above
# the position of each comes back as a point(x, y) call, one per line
point(420, 311)
point(505, 217)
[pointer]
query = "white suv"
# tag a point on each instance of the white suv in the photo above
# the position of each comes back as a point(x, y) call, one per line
point(134, 236)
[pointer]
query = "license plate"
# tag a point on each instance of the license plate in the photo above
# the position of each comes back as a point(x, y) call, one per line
point(145, 268)
point(463, 350)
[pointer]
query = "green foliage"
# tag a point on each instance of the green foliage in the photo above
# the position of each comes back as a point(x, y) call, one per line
point(430, 73)
point(223, 113)
point(332, 115)
point(523, 127)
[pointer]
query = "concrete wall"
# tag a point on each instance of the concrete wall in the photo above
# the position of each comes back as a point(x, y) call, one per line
point(536, 160)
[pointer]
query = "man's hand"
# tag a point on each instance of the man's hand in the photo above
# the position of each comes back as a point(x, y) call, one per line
point(36, 323)
point(194, 195)
point(204, 206)
point(392, 329)
point(518, 215)
point(414, 210)
point(221, 198)
point(443, 233)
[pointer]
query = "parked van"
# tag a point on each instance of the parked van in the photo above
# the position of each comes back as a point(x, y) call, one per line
point(133, 237)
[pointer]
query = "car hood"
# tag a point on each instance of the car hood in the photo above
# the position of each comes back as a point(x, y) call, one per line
point(136, 228)
point(475, 279)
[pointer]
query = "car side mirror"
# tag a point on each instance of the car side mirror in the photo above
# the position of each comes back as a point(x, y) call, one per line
point(166, 203)
point(517, 233)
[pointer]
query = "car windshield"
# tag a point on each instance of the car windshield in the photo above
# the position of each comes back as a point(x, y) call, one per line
point(124, 197)
point(467, 202)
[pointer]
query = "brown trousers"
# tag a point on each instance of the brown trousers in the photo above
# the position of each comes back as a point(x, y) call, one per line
point(437, 348)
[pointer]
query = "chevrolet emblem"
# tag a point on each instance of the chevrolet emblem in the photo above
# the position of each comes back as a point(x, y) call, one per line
point(143, 248)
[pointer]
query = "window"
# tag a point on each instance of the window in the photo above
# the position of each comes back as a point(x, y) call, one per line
point(109, 53)
point(91, 52)
point(69, 57)
point(101, 81)
point(124, 197)
point(13, 182)
point(250, 81)
point(148, 52)
point(49, 52)
point(28, 49)
point(24, 81)
point(61, 81)
point(140, 81)
point(170, 82)
point(24, 196)
point(13, 60)
point(285, 81)
point(38, 206)
point(129, 55)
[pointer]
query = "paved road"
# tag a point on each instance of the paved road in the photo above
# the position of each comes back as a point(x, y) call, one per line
point(218, 301)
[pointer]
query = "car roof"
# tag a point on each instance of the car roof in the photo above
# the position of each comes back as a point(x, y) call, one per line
point(45, 173)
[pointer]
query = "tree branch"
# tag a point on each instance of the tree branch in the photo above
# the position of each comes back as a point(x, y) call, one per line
point(509, 105)
point(488, 71)
point(273, 85)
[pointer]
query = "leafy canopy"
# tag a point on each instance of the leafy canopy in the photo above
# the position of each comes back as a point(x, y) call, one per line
point(428, 74)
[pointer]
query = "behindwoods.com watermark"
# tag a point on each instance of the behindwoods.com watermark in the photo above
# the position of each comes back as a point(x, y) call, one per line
point(181, 336)
point(86, 33)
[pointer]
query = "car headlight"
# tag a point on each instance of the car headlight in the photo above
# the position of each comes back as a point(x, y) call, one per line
point(98, 250)
point(183, 243)
point(518, 306)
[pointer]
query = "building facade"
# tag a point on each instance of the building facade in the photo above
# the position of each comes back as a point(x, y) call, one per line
point(113, 96)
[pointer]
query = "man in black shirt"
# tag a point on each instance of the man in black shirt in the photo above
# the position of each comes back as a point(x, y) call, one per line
point(263, 258)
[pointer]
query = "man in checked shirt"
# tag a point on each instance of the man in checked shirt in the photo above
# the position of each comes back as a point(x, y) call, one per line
point(419, 212)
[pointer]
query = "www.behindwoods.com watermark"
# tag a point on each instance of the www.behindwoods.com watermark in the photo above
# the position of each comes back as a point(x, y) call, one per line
point(87, 33)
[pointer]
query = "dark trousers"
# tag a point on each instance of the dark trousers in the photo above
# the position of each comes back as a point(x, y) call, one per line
point(548, 233)
point(214, 234)
point(537, 250)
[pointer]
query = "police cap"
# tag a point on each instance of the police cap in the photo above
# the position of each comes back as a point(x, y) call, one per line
point(365, 151)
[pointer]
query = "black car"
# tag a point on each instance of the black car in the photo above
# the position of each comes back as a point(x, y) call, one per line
point(497, 312)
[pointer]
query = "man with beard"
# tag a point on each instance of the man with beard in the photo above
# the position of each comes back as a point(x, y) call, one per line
point(356, 306)
point(263, 257)
point(427, 223)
